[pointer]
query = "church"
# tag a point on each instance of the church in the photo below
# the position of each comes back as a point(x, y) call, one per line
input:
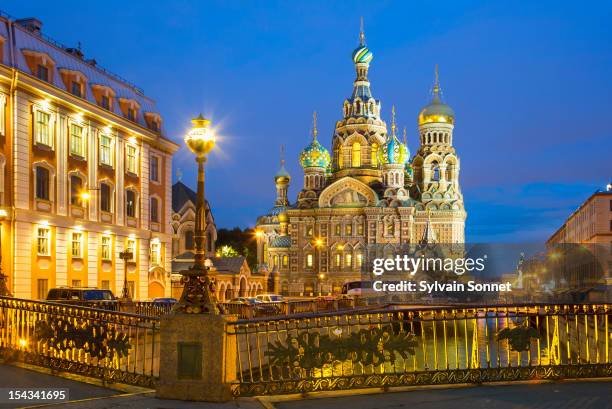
point(367, 191)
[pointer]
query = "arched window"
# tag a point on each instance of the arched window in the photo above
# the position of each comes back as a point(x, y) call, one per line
point(275, 261)
point(285, 261)
point(435, 172)
point(374, 155)
point(356, 155)
point(340, 158)
point(189, 243)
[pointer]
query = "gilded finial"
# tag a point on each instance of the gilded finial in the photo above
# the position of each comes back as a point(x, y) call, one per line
point(393, 120)
point(404, 135)
point(436, 89)
point(282, 155)
point(314, 125)
point(361, 33)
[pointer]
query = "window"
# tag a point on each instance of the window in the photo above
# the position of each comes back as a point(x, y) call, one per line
point(338, 230)
point(131, 247)
point(360, 229)
point(309, 231)
point(42, 183)
point(42, 288)
point(390, 229)
point(106, 248)
point(105, 198)
point(2, 114)
point(436, 172)
point(42, 72)
point(340, 158)
point(105, 102)
point(76, 187)
point(76, 283)
point(309, 260)
point(155, 253)
point(275, 261)
point(154, 210)
point(43, 241)
point(285, 261)
point(130, 158)
point(76, 140)
point(348, 229)
point(337, 260)
point(155, 168)
point(106, 152)
point(76, 89)
point(130, 203)
point(189, 242)
point(356, 155)
point(131, 114)
point(348, 260)
point(374, 158)
point(77, 244)
point(359, 260)
point(42, 133)
point(105, 284)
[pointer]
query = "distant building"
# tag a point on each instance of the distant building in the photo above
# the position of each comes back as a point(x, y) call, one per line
point(85, 171)
point(591, 225)
point(233, 275)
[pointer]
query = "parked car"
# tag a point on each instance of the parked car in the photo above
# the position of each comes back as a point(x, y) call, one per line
point(164, 300)
point(245, 300)
point(270, 298)
point(85, 296)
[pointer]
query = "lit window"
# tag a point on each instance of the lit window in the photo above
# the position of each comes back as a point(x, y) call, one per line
point(130, 203)
point(340, 158)
point(154, 210)
point(338, 229)
point(356, 155)
point(76, 187)
point(106, 248)
point(76, 89)
point(374, 155)
point(285, 261)
point(42, 183)
point(155, 253)
point(337, 260)
point(359, 260)
point(131, 247)
point(42, 133)
point(77, 244)
point(348, 260)
point(105, 198)
point(106, 152)
point(2, 114)
point(131, 162)
point(309, 260)
point(360, 229)
point(76, 140)
point(348, 229)
point(155, 168)
point(42, 72)
point(43, 241)
point(275, 261)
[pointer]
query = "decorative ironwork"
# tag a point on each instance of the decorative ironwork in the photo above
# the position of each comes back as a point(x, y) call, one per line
point(398, 347)
point(105, 344)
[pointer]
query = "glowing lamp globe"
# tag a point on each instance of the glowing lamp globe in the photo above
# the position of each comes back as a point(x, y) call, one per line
point(200, 139)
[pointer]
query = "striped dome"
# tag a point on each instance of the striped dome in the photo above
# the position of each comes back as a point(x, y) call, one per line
point(362, 54)
point(315, 156)
point(393, 152)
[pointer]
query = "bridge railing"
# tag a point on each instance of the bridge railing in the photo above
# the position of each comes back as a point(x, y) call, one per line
point(404, 346)
point(110, 345)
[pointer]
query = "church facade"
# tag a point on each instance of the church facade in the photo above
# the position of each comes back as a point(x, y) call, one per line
point(367, 190)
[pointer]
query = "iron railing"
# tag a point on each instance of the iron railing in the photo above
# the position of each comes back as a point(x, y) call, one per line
point(109, 345)
point(421, 346)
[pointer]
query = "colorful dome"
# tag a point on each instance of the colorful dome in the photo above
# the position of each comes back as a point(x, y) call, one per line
point(393, 152)
point(315, 156)
point(362, 54)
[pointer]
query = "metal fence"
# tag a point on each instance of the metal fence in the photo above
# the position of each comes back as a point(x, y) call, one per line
point(109, 345)
point(421, 346)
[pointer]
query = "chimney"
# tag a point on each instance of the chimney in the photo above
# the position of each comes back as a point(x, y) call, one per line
point(32, 24)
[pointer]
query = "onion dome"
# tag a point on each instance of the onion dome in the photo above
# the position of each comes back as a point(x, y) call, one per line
point(437, 111)
point(282, 176)
point(315, 155)
point(362, 54)
point(393, 152)
point(283, 217)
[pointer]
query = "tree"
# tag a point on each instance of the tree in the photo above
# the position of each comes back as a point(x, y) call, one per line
point(242, 241)
point(227, 251)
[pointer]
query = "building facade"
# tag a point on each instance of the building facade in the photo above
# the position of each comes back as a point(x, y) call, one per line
point(85, 172)
point(589, 225)
point(368, 191)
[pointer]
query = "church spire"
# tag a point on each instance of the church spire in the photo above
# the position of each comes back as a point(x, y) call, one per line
point(314, 126)
point(361, 33)
point(393, 120)
point(281, 180)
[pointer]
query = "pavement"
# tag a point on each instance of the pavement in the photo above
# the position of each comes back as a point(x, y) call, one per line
point(549, 395)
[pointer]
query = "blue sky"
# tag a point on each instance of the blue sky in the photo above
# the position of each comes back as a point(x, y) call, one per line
point(529, 82)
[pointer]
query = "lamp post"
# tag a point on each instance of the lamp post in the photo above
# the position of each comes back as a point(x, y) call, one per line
point(318, 243)
point(198, 287)
point(4, 291)
point(126, 256)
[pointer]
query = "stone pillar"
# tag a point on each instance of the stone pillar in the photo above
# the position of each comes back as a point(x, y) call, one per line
point(198, 358)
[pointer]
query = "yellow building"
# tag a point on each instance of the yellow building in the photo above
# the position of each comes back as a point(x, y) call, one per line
point(86, 172)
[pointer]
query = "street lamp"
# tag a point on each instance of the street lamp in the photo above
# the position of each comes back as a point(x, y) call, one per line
point(198, 287)
point(126, 256)
point(4, 291)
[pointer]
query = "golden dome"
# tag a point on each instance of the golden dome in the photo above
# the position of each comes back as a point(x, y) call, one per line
point(437, 111)
point(283, 217)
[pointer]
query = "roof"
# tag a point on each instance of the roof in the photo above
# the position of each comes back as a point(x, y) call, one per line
point(24, 40)
point(281, 241)
point(227, 265)
point(181, 194)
